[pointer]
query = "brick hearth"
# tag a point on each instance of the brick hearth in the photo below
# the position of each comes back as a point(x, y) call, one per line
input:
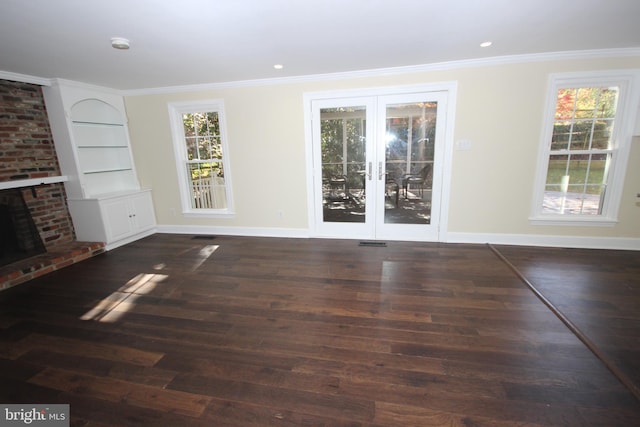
point(54, 259)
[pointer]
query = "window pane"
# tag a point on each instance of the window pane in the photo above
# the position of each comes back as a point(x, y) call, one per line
point(561, 134)
point(332, 131)
point(596, 102)
point(210, 149)
point(355, 142)
point(343, 136)
point(602, 135)
point(423, 134)
point(216, 148)
point(397, 138)
point(557, 169)
point(198, 124)
point(575, 184)
point(343, 144)
point(192, 148)
point(565, 104)
point(213, 125)
point(578, 166)
point(207, 185)
point(203, 149)
point(581, 134)
point(598, 168)
point(410, 133)
point(586, 102)
point(608, 102)
point(189, 128)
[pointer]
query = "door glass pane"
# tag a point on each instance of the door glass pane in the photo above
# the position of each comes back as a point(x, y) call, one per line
point(343, 140)
point(410, 142)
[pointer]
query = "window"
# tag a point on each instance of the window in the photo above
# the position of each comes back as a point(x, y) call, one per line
point(200, 147)
point(584, 149)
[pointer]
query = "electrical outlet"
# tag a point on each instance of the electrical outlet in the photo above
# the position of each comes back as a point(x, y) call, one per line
point(463, 145)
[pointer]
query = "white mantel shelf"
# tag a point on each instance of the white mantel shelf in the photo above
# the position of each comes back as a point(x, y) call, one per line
point(19, 183)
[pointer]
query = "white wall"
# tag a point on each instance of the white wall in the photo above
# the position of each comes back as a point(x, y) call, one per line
point(499, 109)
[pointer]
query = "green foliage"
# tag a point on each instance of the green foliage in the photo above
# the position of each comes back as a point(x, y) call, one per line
point(205, 170)
point(204, 147)
point(343, 142)
point(582, 135)
point(202, 132)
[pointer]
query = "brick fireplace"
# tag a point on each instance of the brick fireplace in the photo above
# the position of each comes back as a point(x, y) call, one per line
point(28, 163)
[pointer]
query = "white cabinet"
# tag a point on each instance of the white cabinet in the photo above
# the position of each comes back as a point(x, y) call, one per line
point(115, 220)
point(91, 137)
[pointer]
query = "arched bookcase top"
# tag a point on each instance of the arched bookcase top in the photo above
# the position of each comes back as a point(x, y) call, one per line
point(96, 111)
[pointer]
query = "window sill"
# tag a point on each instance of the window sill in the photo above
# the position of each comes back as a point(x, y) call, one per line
point(573, 221)
point(209, 213)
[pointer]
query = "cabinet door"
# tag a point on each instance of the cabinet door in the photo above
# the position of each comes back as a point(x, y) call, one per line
point(117, 218)
point(142, 209)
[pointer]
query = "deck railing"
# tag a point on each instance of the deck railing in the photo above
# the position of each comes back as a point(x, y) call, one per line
point(208, 193)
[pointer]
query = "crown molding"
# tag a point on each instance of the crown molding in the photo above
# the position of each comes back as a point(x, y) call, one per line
point(439, 66)
point(81, 85)
point(24, 78)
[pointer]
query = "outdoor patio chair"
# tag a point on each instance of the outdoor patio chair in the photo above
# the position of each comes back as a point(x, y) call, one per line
point(422, 179)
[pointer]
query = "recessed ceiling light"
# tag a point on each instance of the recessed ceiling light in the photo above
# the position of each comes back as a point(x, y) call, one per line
point(119, 43)
point(485, 44)
point(278, 66)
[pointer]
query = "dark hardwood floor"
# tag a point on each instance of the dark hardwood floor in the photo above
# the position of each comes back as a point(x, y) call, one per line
point(598, 291)
point(174, 330)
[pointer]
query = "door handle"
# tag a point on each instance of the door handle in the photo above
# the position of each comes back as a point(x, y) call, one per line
point(380, 171)
point(370, 174)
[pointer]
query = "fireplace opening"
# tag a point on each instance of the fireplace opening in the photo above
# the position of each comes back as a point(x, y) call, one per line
point(19, 237)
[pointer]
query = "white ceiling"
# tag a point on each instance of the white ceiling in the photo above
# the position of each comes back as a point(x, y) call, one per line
point(185, 42)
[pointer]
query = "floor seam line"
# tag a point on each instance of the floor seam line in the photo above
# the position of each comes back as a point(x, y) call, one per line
point(610, 365)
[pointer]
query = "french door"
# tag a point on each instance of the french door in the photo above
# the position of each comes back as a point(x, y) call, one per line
point(378, 165)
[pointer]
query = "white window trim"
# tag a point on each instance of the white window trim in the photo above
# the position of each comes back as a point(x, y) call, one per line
point(628, 81)
point(176, 110)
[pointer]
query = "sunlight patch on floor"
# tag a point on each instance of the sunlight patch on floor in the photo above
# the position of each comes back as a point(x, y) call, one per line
point(112, 308)
point(204, 254)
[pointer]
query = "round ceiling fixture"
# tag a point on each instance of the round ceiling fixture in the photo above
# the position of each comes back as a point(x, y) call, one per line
point(119, 43)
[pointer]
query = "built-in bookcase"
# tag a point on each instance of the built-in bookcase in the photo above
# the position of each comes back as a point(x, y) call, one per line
point(91, 136)
point(104, 157)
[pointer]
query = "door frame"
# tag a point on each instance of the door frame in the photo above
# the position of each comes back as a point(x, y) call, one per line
point(449, 88)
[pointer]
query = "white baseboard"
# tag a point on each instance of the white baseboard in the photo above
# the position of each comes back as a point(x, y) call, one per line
point(234, 231)
point(617, 243)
